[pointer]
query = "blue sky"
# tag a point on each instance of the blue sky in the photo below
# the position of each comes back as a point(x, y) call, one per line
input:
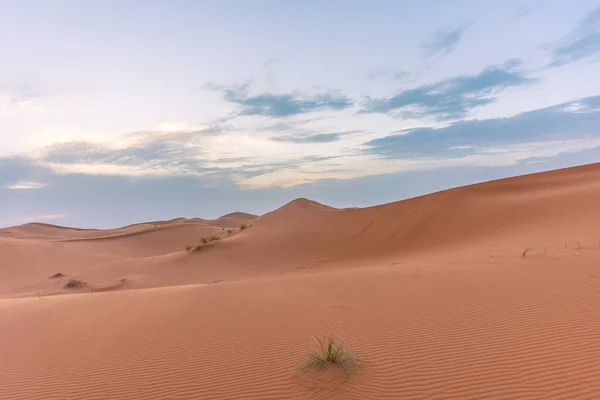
point(115, 112)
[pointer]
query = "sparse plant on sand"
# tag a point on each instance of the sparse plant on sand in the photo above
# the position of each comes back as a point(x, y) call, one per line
point(73, 283)
point(243, 226)
point(331, 353)
point(229, 231)
point(203, 242)
point(57, 275)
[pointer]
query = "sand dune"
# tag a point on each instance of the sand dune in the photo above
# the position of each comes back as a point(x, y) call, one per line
point(488, 291)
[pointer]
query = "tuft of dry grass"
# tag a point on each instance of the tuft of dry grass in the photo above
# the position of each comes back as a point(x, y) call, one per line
point(57, 275)
point(203, 242)
point(73, 283)
point(331, 353)
point(243, 226)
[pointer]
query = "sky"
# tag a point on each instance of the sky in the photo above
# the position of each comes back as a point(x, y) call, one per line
point(118, 112)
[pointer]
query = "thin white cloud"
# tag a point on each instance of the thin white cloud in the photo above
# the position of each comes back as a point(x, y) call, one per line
point(110, 169)
point(12, 105)
point(258, 158)
point(26, 185)
point(353, 167)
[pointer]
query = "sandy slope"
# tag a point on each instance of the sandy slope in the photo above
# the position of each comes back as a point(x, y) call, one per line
point(489, 291)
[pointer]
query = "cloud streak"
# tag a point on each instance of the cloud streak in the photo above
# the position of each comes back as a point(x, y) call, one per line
point(161, 157)
point(453, 98)
point(566, 126)
point(582, 43)
point(316, 137)
point(442, 42)
point(577, 120)
point(26, 185)
point(280, 105)
point(392, 75)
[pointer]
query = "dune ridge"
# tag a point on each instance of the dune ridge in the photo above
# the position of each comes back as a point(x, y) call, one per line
point(488, 291)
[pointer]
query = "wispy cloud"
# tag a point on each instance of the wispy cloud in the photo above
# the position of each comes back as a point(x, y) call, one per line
point(234, 157)
point(149, 152)
point(535, 135)
point(316, 137)
point(523, 10)
point(442, 42)
point(168, 154)
point(26, 185)
point(9, 102)
point(574, 121)
point(582, 43)
point(453, 98)
point(280, 105)
point(392, 75)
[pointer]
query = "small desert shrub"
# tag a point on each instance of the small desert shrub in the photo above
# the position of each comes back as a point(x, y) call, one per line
point(243, 226)
point(188, 247)
point(203, 242)
point(57, 275)
point(331, 353)
point(73, 283)
point(229, 231)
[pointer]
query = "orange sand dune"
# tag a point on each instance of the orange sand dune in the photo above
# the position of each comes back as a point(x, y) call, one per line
point(488, 291)
point(233, 220)
point(100, 257)
point(542, 212)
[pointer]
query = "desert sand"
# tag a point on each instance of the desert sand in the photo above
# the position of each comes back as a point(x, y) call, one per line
point(489, 291)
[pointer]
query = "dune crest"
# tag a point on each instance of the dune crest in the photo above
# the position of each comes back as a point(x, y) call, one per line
point(488, 291)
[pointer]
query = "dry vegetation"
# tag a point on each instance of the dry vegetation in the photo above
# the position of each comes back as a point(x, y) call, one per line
point(203, 242)
point(331, 353)
point(73, 283)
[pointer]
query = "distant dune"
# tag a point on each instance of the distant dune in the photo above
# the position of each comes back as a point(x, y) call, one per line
point(488, 291)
